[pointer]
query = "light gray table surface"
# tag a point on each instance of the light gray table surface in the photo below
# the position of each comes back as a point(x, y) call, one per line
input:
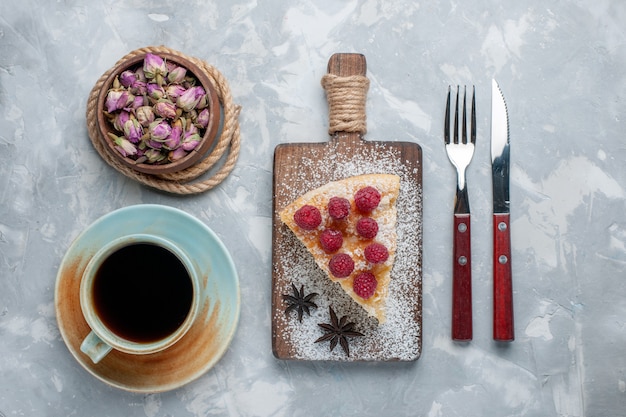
point(561, 65)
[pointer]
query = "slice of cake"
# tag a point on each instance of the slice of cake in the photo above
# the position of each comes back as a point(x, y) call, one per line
point(349, 226)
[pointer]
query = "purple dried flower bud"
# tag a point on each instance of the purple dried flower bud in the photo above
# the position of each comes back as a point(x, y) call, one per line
point(130, 102)
point(153, 65)
point(133, 130)
point(141, 76)
point(160, 130)
point(153, 144)
point(165, 109)
point(203, 118)
point(203, 103)
point(137, 102)
point(127, 78)
point(173, 91)
point(190, 98)
point(154, 155)
point(170, 66)
point(190, 142)
point(124, 147)
point(116, 100)
point(140, 156)
point(120, 119)
point(177, 75)
point(173, 140)
point(189, 128)
point(176, 154)
point(139, 88)
point(155, 91)
point(145, 115)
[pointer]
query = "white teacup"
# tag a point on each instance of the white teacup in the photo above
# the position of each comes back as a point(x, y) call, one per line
point(139, 294)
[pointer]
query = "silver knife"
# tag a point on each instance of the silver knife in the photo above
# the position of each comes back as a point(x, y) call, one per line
point(503, 329)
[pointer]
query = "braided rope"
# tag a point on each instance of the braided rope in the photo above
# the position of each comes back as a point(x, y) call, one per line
point(181, 182)
point(346, 98)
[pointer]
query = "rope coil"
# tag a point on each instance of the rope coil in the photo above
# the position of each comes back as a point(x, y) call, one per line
point(346, 98)
point(184, 181)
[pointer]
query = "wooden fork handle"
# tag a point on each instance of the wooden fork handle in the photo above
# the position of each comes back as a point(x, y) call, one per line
point(503, 329)
point(462, 279)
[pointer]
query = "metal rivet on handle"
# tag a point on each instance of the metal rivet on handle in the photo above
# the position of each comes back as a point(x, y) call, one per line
point(462, 260)
point(462, 227)
point(503, 259)
point(502, 226)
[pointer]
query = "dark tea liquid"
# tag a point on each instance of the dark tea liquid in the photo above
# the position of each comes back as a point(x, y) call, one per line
point(142, 292)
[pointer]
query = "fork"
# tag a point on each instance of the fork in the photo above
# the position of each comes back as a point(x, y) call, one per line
point(460, 153)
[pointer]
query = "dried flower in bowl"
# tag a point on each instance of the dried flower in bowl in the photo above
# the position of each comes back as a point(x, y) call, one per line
point(158, 113)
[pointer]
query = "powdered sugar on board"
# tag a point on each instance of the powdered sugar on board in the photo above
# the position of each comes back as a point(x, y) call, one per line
point(399, 338)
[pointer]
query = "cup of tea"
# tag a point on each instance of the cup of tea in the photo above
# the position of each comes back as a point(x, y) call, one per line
point(139, 294)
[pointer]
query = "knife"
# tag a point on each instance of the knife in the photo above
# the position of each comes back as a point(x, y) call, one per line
point(502, 277)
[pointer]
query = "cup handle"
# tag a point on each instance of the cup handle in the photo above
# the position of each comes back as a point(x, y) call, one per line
point(94, 347)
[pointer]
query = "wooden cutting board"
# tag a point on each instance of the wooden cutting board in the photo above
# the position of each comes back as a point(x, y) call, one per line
point(300, 167)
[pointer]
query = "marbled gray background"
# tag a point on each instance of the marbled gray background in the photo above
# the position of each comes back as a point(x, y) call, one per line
point(561, 66)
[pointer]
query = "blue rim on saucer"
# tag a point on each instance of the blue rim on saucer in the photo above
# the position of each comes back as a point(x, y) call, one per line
point(207, 340)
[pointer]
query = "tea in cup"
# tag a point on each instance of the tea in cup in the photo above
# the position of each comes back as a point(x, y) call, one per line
point(139, 294)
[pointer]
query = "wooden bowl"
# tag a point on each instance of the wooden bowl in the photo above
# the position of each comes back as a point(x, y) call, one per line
point(104, 126)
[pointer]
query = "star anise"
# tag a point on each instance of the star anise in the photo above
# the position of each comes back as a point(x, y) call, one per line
point(299, 302)
point(338, 331)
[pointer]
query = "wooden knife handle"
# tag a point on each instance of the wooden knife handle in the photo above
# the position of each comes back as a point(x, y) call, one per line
point(462, 279)
point(503, 329)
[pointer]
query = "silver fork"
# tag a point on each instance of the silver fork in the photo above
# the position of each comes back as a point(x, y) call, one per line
point(460, 153)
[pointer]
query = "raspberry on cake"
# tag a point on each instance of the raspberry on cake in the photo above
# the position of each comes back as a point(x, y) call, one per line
point(331, 240)
point(308, 217)
point(338, 208)
point(367, 199)
point(349, 227)
point(367, 227)
point(365, 285)
point(341, 265)
point(376, 253)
